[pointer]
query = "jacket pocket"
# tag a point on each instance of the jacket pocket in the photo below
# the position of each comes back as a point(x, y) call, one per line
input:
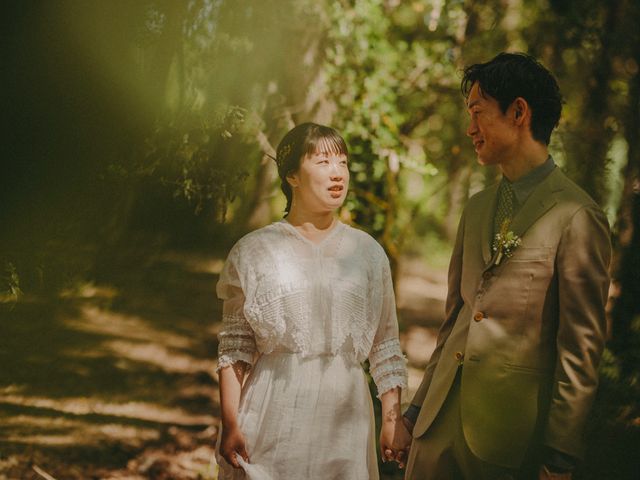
point(532, 254)
point(512, 367)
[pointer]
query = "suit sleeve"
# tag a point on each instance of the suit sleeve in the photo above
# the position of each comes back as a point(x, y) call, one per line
point(582, 265)
point(453, 306)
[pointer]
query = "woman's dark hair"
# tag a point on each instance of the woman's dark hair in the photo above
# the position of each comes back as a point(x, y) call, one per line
point(304, 139)
point(512, 75)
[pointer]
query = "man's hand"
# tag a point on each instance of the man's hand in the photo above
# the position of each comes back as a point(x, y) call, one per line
point(403, 439)
point(395, 440)
point(233, 442)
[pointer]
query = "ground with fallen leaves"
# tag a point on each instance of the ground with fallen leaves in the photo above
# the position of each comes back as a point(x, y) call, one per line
point(116, 379)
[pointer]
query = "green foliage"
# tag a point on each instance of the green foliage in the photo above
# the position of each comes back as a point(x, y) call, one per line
point(235, 65)
point(399, 107)
point(197, 156)
point(360, 68)
point(190, 96)
point(10, 291)
point(613, 431)
point(213, 77)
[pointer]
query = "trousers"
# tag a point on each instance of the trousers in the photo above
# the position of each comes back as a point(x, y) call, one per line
point(442, 452)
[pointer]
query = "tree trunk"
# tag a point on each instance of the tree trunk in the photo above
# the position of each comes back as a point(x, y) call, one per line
point(626, 306)
point(589, 140)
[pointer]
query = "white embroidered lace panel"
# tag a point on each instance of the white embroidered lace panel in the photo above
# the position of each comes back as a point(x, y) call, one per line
point(283, 293)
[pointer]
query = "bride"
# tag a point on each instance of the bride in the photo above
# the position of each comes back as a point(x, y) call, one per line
point(307, 299)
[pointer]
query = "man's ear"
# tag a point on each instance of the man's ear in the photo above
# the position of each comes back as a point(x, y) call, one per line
point(521, 110)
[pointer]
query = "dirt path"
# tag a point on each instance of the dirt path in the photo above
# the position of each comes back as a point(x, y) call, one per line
point(117, 380)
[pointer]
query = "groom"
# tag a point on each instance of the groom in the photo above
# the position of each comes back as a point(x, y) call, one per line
point(509, 386)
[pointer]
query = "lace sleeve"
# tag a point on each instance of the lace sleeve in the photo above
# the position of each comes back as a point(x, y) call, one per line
point(387, 364)
point(236, 340)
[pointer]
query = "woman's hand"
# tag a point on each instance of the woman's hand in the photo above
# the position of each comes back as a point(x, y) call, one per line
point(387, 434)
point(395, 440)
point(232, 443)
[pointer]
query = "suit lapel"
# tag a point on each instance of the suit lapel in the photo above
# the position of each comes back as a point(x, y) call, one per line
point(540, 201)
point(487, 223)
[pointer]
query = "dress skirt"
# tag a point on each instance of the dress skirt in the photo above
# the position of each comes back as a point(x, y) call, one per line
point(306, 418)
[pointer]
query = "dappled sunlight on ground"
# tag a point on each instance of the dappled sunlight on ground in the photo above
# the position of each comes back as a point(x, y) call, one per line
point(83, 406)
point(418, 344)
point(96, 320)
point(116, 380)
point(59, 431)
point(191, 262)
point(196, 464)
point(113, 380)
point(157, 356)
point(420, 293)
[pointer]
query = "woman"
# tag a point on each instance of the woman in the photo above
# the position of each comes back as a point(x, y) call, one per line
point(306, 300)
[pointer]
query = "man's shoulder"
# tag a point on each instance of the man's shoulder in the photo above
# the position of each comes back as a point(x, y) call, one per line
point(571, 198)
point(486, 193)
point(480, 200)
point(571, 203)
point(570, 191)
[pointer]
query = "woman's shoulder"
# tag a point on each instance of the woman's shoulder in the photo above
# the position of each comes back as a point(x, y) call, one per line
point(256, 239)
point(366, 242)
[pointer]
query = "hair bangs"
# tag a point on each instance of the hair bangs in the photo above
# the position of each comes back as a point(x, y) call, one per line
point(325, 140)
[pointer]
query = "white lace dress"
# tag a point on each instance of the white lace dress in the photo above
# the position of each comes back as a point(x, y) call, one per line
point(305, 316)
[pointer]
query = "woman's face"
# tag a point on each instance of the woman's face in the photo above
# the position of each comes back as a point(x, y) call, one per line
point(322, 181)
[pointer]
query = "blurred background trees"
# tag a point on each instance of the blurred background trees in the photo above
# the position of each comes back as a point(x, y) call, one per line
point(137, 126)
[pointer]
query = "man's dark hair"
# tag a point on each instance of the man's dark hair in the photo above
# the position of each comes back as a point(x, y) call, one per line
point(511, 75)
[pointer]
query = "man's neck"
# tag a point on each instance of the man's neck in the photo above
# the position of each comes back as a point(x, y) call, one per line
point(525, 161)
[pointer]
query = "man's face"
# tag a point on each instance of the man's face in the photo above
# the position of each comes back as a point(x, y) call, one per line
point(493, 133)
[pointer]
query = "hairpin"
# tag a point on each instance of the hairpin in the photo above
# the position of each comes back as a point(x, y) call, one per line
point(283, 154)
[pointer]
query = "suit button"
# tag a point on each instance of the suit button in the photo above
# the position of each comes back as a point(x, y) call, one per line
point(459, 356)
point(478, 316)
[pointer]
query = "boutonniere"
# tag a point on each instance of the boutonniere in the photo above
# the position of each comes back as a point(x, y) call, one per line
point(504, 243)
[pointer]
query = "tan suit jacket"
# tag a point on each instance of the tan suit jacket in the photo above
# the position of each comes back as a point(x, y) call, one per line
point(530, 330)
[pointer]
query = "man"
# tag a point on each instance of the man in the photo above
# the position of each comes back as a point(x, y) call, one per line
point(514, 373)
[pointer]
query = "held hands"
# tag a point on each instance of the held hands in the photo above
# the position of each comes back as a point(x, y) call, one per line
point(395, 440)
point(232, 443)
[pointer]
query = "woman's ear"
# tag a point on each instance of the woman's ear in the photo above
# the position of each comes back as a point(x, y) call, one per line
point(292, 179)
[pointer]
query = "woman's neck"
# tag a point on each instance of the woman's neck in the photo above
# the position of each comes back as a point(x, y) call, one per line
point(312, 225)
point(316, 220)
